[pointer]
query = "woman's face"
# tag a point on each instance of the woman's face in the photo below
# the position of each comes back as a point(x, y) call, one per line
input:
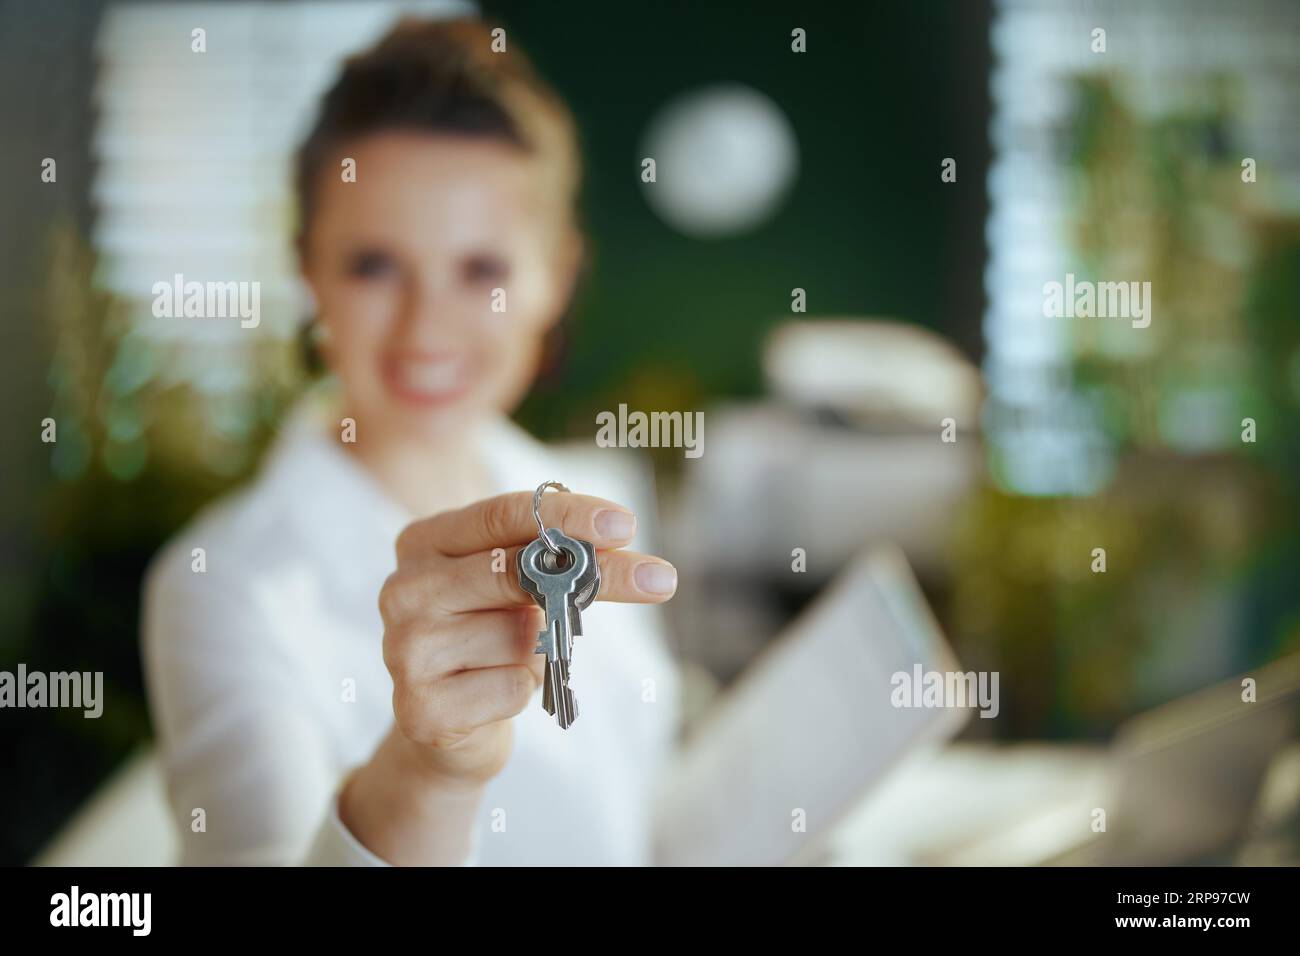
point(437, 274)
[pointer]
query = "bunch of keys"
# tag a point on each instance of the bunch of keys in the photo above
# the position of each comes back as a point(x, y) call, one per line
point(563, 577)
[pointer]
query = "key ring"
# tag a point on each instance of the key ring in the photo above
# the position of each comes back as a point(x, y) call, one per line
point(537, 515)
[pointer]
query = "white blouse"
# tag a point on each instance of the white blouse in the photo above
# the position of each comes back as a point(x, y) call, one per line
point(267, 684)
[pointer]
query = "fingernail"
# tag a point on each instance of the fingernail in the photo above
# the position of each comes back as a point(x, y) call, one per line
point(615, 525)
point(655, 578)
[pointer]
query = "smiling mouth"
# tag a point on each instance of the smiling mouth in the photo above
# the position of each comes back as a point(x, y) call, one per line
point(429, 381)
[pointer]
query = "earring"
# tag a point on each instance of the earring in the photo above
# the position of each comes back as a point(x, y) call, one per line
point(318, 332)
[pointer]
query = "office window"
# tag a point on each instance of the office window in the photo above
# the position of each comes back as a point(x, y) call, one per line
point(193, 153)
point(1232, 65)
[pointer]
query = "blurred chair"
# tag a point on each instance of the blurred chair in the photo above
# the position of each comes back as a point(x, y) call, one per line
point(849, 450)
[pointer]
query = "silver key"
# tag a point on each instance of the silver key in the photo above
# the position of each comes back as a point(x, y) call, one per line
point(585, 589)
point(563, 592)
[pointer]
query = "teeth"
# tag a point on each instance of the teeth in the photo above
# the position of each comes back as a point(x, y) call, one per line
point(439, 376)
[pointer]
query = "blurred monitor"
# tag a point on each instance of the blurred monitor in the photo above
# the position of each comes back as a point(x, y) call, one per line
point(1185, 777)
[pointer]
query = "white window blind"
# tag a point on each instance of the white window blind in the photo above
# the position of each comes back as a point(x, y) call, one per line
point(194, 154)
point(1044, 439)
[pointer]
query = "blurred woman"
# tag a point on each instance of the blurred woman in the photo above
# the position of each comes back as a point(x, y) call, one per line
point(348, 675)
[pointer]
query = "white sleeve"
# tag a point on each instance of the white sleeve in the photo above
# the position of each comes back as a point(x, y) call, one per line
point(251, 774)
point(249, 767)
point(336, 846)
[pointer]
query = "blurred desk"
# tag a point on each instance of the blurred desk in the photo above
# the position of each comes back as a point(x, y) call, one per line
point(936, 804)
point(968, 803)
point(1020, 804)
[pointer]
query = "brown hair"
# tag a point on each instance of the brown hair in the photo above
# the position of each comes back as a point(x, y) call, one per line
point(442, 76)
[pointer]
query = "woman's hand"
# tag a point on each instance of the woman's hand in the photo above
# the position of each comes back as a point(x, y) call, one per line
point(459, 638)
